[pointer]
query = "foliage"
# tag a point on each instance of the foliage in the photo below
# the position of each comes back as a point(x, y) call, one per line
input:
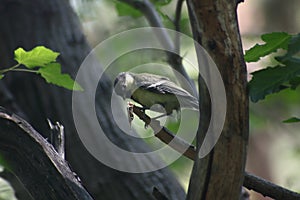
point(292, 120)
point(273, 41)
point(42, 61)
point(123, 9)
point(286, 74)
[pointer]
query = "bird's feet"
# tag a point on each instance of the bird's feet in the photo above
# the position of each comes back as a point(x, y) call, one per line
point(130, 112)
point(130, 108)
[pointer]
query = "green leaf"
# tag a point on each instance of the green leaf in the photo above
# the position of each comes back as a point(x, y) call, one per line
point(1, 76)
point(124, 9)
point(273, 42)
point(291, 120)
point(52, 74)
point(294, 45)
point(271, 80)
point(159, 3)
point(39, 56)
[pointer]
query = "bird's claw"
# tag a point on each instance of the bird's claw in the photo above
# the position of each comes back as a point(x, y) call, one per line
point(146, 126)
point(130, 112)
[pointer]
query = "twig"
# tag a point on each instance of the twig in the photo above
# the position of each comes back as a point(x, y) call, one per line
point(167, 136)
point(57, 137)
point(153, 18)
point(29, 156)
point(175, 60)
point(251, 182)
point(269, 189)
point(177, 25)
point(9, 69)
point(193, 20)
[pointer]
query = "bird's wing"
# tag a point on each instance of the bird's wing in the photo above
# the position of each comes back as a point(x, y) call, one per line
point(168, 87)
point(159, 87)
point(165, 87)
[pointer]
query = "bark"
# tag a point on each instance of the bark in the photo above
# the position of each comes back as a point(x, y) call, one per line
point(35, 162)
point(220, 174)
point(54, 25)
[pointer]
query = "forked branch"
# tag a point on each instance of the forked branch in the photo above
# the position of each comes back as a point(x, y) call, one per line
point(251, 182)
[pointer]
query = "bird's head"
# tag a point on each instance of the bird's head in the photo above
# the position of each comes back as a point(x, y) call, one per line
point(124, 84)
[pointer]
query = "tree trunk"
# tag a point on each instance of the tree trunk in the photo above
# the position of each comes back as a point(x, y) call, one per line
point(36, 163)
point(220, 174)
point(53, 24)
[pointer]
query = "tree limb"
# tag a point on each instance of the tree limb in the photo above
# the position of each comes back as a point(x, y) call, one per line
point(152, 16)
point(177, 25)
point(57, 137)
point(251, 182)
point(166, 135)
point(269, 189)
point(34, 161)
point(148, 10)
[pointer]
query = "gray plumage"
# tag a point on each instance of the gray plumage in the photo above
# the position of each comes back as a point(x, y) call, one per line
point(149, 89)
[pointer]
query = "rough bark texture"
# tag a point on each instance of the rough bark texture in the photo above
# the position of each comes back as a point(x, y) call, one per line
point(220, 175)
point(54, 25)
point(44, 174)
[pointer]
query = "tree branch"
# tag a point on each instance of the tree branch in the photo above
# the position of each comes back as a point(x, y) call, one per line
point(251, 182)
point(152, 16)
point(167, 136)
point(177, 25)
point(26, 154)
point(267, 188)
point(57, 137)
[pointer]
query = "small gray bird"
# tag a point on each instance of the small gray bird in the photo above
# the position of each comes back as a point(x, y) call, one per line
point(149, 90)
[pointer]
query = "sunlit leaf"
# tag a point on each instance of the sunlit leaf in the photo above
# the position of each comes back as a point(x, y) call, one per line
point(39, 56)
point(52, 74)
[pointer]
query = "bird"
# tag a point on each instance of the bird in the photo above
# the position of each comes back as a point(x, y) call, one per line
point(150, 90)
